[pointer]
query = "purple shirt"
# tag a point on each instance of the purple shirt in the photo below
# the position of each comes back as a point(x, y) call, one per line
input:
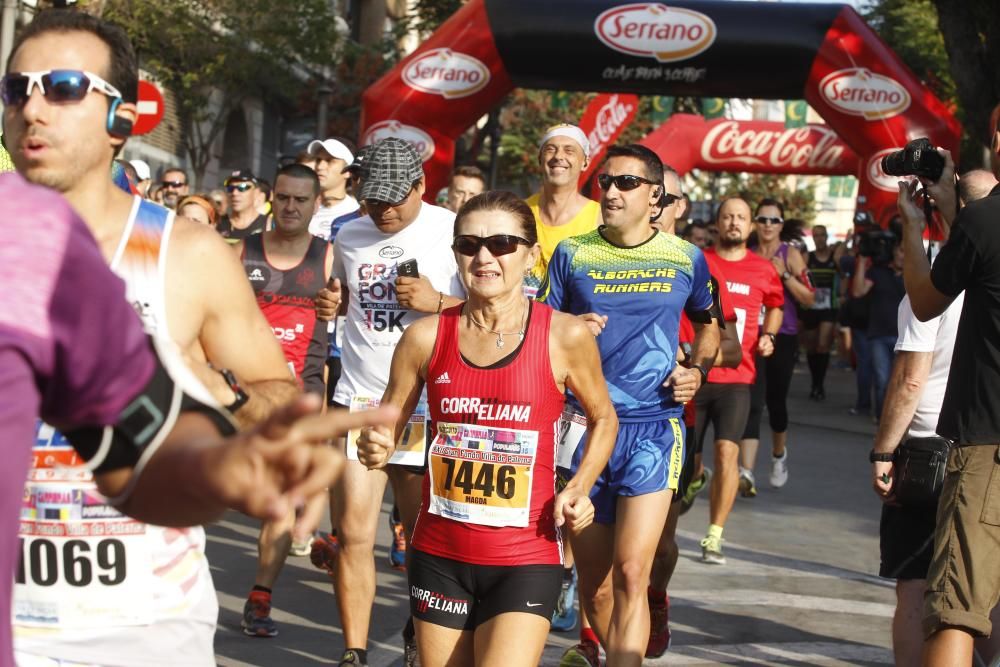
point(71, 348)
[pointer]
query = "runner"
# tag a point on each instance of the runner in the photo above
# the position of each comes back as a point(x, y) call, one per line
point(819, 321)
point(332, 159)
point(774, 374)
point(560, 210)
point(486, 560)
point(286, 267)
point(725, 400)
point(634, 281)
point(369, 257)
point(191, 290)
point(244, 218)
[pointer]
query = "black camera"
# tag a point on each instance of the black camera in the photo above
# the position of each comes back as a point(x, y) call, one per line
point(877, 244)
point(917, 158)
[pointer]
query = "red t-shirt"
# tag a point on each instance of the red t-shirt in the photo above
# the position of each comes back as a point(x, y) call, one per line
point(753, 282)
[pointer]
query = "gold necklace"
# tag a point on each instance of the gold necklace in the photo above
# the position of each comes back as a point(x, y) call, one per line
point(501, 334)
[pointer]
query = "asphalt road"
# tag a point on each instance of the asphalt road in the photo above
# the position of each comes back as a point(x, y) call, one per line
point(799, 587)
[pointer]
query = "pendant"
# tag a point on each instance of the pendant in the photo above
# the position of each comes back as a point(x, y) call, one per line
point(499, 340)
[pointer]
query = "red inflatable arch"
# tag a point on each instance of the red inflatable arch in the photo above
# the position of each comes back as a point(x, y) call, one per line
point(825, 53)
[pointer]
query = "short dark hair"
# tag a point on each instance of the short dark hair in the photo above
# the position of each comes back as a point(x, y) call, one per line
point(767, 201)
point(468, 171)
point(506, 202)
point(177, 169)
point(652, 164)
point(265, 187)
point(296, 170)
point(691, 226)
point(124, 72)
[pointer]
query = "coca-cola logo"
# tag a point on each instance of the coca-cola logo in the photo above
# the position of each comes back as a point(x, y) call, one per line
point(652, 29)
point(810, 147)
point(860, 92)
point(608, 122)
point(393, 128)
point(879, 178)
point(446, 73)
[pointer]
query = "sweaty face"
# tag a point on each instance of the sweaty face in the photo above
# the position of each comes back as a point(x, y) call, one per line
point(562, 161)
point(461, 190)
point(626, 208)
point(59, 144)
point(484, 275)
point(294, 204)
point(733, 222)
point(330, 170)
point(391, 218)
point(768, 232)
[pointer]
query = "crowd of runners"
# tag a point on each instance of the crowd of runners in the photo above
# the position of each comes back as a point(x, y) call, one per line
point(555, 365)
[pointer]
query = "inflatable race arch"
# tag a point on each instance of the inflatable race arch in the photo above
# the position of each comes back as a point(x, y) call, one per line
point(824, 53)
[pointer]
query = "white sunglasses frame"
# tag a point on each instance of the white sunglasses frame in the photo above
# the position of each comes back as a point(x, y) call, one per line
point(95, 82)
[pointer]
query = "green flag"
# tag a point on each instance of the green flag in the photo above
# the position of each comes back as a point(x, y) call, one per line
point(560, 99)
point(848, 183)
point(713, 107)
point(663, 107)
point(795, 113)
point(836, 186)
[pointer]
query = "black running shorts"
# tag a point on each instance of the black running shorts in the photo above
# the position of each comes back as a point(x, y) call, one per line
point(463, 596)
point(725, 407)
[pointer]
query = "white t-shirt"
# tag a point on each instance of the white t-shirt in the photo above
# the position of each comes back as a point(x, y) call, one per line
point(365, 260)
point(325, 215)
point(937, 336)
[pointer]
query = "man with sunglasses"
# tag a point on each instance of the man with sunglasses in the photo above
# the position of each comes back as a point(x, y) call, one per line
point(174, 184)
point(63, 128)
point(244, 219)
point(379, 304)
point(638, 281)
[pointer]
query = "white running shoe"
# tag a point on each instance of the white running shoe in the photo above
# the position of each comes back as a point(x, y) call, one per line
point(779, 470)
point(748, 485)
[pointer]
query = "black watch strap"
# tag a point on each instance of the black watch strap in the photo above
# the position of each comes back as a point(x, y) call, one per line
point(704, 373)
point(881, 457)
point(234, 385)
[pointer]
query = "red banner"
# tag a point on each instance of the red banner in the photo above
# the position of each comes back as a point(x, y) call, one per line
point(603, 121)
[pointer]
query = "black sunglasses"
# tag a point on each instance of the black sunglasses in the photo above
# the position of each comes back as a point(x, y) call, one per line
point(668, 199)
point(242, 187)
point(498, 244)
point(764, 220)
point(624, 182)
point(173, 184)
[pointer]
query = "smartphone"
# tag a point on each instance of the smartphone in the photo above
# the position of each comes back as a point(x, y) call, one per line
point(407, 269)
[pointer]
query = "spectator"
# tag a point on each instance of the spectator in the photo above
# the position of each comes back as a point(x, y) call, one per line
point(963, 580)
point(144, 176)
point(173, 185)
point(466, 182)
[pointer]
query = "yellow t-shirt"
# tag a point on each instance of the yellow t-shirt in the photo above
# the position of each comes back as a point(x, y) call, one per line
point(549, 236)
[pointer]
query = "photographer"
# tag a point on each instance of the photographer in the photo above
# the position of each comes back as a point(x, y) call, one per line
point(963, 580)
point(879, 276)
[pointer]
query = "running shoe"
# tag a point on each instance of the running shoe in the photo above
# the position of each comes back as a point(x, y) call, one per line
point(397, 551)
point(257, 620)
point(695, 487)
point(324, 552)
point(351, 658)
point(300, 548)
point(564, 617)
point(748, 485)
point(820, 394)
point(779, 470)
point(659, 628)
point(711, 551)
point(584, 654)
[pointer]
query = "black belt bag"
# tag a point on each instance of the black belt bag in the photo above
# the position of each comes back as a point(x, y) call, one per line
point(920, 466)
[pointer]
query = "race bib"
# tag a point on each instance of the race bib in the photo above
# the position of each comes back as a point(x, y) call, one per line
point(824, 299)
point(572, 428)
point(412, 446)
point(82, 563)
point(482, 475)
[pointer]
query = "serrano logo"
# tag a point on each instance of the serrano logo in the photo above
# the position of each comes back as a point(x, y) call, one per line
point(859, 92)
point(879, 178)
point(390, 252)
point(654, 30)
point(446, 73)
point(393, 128)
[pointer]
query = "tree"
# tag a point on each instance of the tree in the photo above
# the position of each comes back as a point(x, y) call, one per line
point(799, 200)
point(215, 54)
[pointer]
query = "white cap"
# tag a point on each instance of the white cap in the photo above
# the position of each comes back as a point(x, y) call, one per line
point(333, 147)
point(141, 169)
point(567, 130)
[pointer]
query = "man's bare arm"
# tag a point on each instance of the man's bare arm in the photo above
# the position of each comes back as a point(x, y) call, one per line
point(925, 299)
point(906, 385)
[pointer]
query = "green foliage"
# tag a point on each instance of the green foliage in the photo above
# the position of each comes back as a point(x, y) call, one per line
point(799, 202)
point(428, 15)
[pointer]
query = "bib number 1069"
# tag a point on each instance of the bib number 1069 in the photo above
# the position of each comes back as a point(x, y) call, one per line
point(75, 562)
point(490, 480)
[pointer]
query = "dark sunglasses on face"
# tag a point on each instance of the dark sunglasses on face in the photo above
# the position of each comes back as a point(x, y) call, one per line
point(624, 182)
point(669, 199)
point(764, 220)
point(57, 85)
point(498, 244)
point(241, 187)
point(173, 184)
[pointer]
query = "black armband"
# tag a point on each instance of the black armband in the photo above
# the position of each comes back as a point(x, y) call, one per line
point(701, 316)
point(716, 307)
point(142, 425)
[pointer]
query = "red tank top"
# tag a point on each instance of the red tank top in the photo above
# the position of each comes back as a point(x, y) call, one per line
point(493, 420)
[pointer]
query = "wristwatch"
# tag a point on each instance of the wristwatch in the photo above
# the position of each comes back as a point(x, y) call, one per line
point(881, 457)
point(234, 385)
point(704, 373)
point(786, 275)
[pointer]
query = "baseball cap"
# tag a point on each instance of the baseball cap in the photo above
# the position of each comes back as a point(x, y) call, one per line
point(570, 131)
point(359, 158)
point(241, 175)
point(390, 170)
point(333, 147)
point(142, 169)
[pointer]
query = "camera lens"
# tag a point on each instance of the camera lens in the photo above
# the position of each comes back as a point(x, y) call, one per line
point(894, 164)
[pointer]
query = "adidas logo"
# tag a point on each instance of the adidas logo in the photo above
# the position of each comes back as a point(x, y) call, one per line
point(443, 379)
